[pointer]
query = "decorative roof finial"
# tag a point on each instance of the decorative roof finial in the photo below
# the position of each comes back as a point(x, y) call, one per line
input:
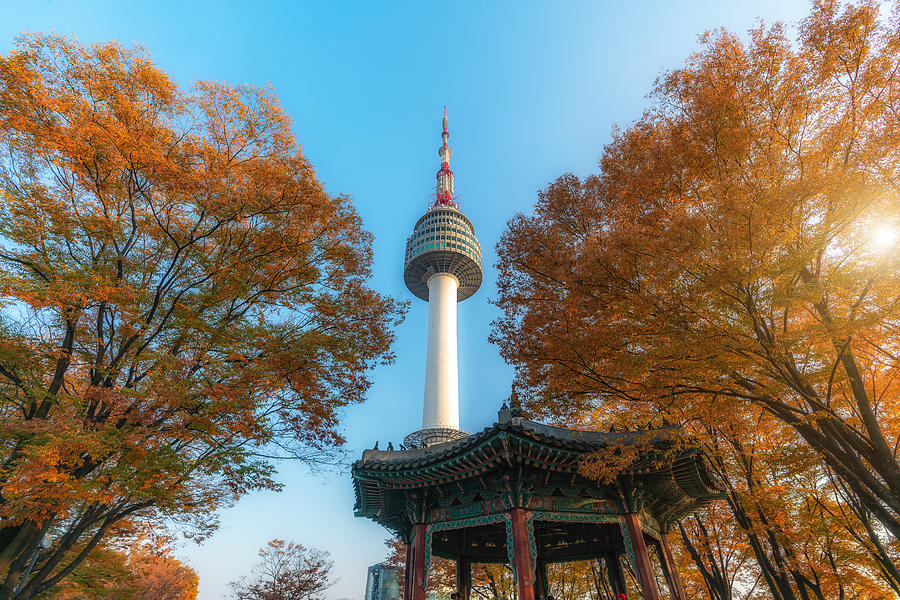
point(444, 188)
point(515, 405)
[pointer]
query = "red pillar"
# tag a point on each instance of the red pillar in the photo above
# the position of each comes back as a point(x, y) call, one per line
point(463, 577)
point(672, 571)
point(418, 570)
point(645, 571)
point(522, 556)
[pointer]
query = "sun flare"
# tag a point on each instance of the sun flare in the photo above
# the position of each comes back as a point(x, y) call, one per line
point(885, 236)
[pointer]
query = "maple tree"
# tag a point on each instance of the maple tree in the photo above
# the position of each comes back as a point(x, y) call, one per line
point(576, 580)
point(181, 302)
point(128, 567)
point(286, 571)
point(778, 529)
point(734, 268)
point(491, 581)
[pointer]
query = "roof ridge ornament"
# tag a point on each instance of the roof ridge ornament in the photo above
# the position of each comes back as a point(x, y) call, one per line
point(503, 415)
point(515, 405)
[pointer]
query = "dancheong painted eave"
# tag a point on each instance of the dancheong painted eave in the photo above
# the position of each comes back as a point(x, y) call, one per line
point(383, 479)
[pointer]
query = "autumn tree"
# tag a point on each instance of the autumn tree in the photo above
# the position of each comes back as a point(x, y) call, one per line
point(286, 571)
point(128, 569)
point(578, 580)
point(779, 531)
point(714, 560)
point(494, 581)
point(181, 302)
point(735, 261)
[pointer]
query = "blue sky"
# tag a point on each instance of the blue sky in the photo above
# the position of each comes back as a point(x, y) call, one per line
point(533, 90)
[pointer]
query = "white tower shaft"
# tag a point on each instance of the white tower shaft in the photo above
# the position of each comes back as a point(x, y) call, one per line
point(441, 366)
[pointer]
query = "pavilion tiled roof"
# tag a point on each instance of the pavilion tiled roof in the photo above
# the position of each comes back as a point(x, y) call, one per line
point(679, 482)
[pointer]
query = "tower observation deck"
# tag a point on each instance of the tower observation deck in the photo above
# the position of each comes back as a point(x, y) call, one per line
point(442, 267)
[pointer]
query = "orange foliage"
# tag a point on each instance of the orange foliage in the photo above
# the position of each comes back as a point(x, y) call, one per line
point(726, 270)
point(181, 300)
point(136, 569)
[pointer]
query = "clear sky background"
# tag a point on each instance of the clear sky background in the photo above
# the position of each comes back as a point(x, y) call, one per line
point(533, 90)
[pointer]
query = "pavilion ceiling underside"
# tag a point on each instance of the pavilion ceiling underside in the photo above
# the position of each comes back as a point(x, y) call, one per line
point(572, 541)
point(487, 542)
point(555, 542)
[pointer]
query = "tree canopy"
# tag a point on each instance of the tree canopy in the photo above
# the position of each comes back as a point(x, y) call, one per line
point(128, 565)
point(181, 301)
point(286, 571)
point(734, 267)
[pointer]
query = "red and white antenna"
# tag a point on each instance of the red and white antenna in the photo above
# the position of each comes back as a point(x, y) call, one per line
point(444, 187)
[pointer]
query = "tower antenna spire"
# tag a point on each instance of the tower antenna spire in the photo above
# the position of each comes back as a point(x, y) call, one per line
point(443, 192)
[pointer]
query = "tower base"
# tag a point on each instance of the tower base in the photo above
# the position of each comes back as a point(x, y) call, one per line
point(431, 436)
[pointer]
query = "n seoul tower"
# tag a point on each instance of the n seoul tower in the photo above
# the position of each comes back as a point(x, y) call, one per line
point(442, 267)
